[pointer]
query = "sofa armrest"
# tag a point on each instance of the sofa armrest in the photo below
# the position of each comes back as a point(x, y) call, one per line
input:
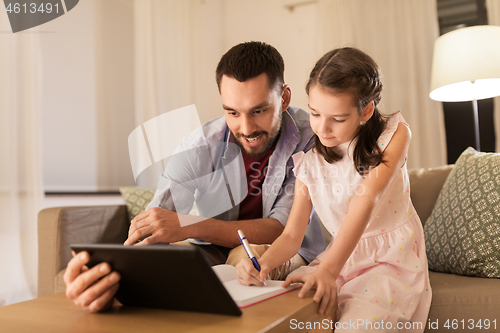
point(59, 227)
point(425, 187)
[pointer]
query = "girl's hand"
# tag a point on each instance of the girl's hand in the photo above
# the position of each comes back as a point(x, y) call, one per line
point(247, 275)
point(324, 283)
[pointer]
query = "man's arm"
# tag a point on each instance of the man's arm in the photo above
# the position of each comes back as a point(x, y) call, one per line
point(164, 227)
point(257, 231)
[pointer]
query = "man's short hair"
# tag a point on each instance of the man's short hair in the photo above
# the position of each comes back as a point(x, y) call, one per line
point(250, 59)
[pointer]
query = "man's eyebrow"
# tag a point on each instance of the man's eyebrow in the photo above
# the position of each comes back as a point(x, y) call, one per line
point(262, 105)
point(227, 108)
point(256, 107)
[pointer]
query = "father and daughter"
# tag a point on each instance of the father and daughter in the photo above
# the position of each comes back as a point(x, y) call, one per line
point(350, 170)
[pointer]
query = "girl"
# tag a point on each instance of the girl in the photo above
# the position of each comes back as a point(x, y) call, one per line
point(356, 179)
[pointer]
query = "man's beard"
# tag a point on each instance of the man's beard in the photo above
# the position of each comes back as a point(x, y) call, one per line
point(270, 141)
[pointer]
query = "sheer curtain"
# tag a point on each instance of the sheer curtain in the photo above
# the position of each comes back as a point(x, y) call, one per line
point(21, 190)
point(493, 8)
point(400, 36)
point(166, 56)
point(167, 63)
point(114, 90)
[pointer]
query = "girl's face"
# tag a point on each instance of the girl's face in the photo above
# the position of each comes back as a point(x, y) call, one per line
point(334, 118)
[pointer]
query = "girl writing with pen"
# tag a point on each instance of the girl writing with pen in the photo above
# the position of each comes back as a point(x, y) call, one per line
point(356, 179)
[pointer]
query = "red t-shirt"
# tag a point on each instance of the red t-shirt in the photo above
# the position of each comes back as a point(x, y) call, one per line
point(256, 169)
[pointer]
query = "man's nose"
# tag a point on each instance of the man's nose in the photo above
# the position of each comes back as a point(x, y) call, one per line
point(248, 125)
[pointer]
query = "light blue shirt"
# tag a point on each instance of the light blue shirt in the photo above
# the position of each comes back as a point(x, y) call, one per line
point(207, 170)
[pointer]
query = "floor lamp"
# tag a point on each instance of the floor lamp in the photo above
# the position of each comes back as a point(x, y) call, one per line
point(466, 67)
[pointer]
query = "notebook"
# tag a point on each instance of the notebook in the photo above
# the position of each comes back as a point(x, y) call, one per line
point(245, 296)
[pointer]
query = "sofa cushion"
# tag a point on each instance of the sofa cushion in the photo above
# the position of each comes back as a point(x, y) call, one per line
point(463, 298)
point(136, 199)
point(462, 235)
point(426, 184)
point(59, 284)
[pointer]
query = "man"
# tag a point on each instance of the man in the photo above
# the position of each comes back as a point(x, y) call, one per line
point(268, 132)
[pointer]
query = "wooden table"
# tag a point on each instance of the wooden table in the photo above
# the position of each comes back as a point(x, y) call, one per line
point(56, 313)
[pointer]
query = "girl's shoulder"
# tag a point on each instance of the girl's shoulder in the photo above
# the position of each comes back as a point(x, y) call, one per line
point(307, 159)
point(302, 156)
point(391, 126)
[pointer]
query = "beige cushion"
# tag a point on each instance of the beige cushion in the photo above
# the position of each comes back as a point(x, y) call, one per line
point(425, 186)
point(463, 297)
point(59, 285)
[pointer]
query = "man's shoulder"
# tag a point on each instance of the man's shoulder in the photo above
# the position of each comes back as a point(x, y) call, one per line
point(300, 116)
point(301, 120)
point(215, 129)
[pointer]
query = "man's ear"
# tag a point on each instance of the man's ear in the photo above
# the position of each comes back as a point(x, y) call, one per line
point(286, 97)
point(368, 111)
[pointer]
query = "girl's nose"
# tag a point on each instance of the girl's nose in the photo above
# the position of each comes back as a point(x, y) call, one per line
point(323, 127)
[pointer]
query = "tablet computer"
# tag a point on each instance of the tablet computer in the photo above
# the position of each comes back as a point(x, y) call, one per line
point(163, 276)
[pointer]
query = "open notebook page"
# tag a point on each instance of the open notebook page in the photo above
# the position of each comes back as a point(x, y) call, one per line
point(248, 295)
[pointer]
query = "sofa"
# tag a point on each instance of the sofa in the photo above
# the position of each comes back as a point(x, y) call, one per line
point(456, 299)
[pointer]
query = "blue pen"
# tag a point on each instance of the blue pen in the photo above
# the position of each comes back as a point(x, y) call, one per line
point(248, 250)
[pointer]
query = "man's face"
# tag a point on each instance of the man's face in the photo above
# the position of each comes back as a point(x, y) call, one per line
point(253, 112)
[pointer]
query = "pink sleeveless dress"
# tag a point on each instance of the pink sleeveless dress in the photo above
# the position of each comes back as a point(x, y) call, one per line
point(384, 285)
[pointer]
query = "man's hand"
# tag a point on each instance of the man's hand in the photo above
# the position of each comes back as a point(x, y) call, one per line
point(162, 224)
point(247, 275)
point(324, 283)
point(90, 289)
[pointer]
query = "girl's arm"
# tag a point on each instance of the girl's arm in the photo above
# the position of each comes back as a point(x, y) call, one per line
point(286, 245)
point(360, 210)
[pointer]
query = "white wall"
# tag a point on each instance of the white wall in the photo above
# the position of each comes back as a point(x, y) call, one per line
point(88, 92)
point(69, 101)
point(114, 40)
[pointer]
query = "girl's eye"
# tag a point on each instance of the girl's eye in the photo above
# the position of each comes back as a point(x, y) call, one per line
point(339, 121)
point(314, 114)
point(258, 111)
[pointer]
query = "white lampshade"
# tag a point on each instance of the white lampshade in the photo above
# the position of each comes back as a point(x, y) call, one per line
point(466, 64)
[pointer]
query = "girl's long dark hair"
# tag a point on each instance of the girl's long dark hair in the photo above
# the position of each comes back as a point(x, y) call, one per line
point(349, 70)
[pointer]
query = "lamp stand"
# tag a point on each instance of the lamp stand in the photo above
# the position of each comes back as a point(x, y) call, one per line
point(476, 124)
